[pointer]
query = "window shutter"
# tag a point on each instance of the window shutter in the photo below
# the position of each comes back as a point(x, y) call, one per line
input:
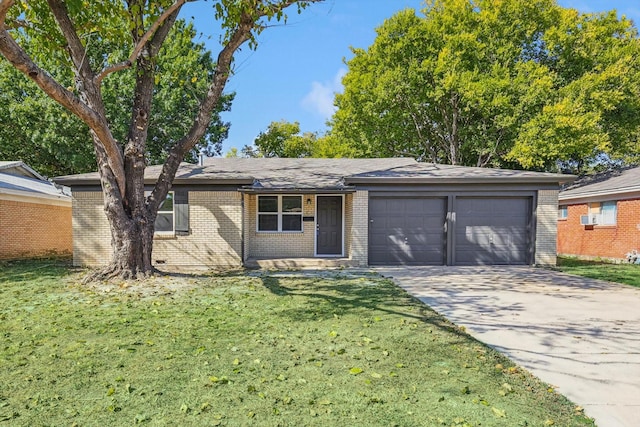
point(181, 207)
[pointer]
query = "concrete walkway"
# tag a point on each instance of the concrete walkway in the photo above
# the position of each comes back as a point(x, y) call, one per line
point(580, 335)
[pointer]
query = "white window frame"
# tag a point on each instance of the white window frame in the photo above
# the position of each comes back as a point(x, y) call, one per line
point(279, 213)
point(173, 213)
point(595, 211)
point(563, 212)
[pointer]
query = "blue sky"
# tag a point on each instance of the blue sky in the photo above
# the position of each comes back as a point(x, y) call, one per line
point(297, 67)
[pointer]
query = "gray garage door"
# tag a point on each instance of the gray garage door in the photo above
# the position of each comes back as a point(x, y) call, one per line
point(492, 231)
point(407, 231)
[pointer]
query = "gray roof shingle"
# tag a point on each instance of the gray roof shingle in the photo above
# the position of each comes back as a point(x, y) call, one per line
point(264, 174)
point(607, 183)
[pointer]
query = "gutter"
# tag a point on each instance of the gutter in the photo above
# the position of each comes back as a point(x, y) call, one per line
point(558, 179)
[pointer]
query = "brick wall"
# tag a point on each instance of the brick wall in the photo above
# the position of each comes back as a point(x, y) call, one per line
point(604, 241)
point(215, 234)
point(360, 229)
point(214, 239)
point(348, 224)
point(91, 234)
point(31, 229)
point(280, 245)
point(546, 227)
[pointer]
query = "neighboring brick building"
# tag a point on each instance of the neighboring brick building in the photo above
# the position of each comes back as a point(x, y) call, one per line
point(35, 216)
point(233, 212)
point(599, 216)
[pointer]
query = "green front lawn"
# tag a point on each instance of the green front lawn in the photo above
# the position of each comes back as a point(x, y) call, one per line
point(622, 273)
point(249, 349)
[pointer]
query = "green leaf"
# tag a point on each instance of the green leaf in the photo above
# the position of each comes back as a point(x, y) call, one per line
point(498, 412)
point(355, 371)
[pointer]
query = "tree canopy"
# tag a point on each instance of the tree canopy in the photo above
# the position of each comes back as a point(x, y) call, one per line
point(285, 139)
point(42, 133)
point(522, 83)
point(72, 50)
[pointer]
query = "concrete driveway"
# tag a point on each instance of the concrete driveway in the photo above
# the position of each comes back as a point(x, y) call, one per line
point(580, 335)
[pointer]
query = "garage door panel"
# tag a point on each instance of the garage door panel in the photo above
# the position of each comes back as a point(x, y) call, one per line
point(492, 230)
point(406, 231)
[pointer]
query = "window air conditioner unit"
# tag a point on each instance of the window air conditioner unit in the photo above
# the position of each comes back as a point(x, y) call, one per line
point(589, 219)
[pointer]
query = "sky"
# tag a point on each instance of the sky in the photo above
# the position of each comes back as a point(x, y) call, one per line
point(297, 67)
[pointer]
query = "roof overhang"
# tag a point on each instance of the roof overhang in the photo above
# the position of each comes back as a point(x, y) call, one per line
point(70, 181)
point(557, 179)
point(253, 190)
point(626, 193)
point(34, 197)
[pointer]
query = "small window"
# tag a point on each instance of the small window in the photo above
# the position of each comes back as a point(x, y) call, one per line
point(165, 221)
point(563, 212)
point(280, 213)
point(608, 213)
point(603, 213)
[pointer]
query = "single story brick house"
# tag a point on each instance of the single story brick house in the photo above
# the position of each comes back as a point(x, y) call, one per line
point(35, 215)
point(599, 216)
point(394, 211)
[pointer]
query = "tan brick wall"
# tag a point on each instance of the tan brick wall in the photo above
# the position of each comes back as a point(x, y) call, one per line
point(600, 241)
point(546, 227)
point(91, 234)
point(214, 239)
point(33, 229)
point(359, 249)
point(215, 236)
point(280, 245)
point(348, 224)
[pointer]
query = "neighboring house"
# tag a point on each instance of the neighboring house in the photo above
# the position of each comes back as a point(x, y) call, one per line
point(599, 216)
point(232, 212)
point(35, 216)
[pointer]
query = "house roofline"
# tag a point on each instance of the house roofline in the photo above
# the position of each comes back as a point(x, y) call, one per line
point(21, 164)
point(559, 179)
point(90, 182)
point(251, 190)
point(627, 193)
point(34, 197)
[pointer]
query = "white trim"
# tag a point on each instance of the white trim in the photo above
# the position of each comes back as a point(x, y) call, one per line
point(30, 197)
point(315, 228)
point(173, 213)
point(279, 213)
point(617, 194)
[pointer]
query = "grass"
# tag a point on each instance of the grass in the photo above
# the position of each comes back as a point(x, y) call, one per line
point(621, 273)
point(242, 349)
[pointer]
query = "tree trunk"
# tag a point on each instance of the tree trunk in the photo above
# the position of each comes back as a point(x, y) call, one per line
point(131, 222)
point(132, 245)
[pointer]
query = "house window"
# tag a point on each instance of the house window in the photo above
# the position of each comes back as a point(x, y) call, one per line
point(280, 213)
point(563, 212)
point(603, 213)
point(165, 221)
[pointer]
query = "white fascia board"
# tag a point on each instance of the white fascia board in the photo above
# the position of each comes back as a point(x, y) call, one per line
point(38, 198)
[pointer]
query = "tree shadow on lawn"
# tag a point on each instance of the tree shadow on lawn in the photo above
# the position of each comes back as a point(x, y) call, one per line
point(370, 298)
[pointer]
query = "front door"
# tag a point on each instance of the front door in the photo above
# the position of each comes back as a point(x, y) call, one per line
point(329, 225)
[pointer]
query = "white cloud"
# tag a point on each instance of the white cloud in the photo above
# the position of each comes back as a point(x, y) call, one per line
point(320, 98)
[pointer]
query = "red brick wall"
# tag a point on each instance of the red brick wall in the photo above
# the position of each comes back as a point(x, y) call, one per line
point(32, 230)
point(606, 241)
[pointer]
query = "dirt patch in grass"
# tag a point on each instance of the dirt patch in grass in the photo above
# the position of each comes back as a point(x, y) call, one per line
point(269, 349)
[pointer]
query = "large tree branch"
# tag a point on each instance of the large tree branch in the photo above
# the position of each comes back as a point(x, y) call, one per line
point(171, 10)
point(249, 21)
point(203, 117)
point(139, 126)
point(5, 5)
point(90, 90)
point(77, 50)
